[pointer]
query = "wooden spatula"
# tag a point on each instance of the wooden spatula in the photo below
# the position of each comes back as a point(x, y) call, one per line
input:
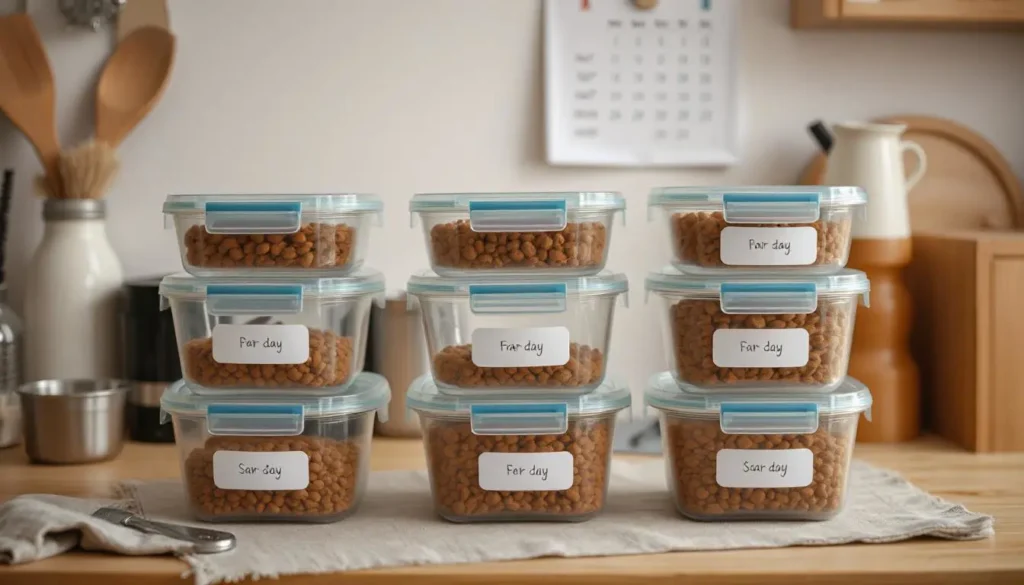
point(27, 91)
point(132, 82)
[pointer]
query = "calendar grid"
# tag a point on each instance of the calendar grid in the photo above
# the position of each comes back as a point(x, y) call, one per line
point(626, 87)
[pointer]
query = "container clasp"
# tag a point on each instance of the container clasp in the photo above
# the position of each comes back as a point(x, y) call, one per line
point(768, 297)
point(262, 217)
point(245, 299)
point(754, 418)
point(277, 420)
point(519, 419)
point(517, 298)
point(771, 207)
point(517, 216)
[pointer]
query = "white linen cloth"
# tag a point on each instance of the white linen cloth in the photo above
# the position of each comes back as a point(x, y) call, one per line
point(396, 525)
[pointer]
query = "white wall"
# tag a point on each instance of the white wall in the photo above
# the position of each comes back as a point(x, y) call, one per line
point(400, 96)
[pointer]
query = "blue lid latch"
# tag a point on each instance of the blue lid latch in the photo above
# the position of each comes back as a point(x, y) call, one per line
point(517, 298)
point(246, 299)
point(271, 420)
point(247, 217)
point(518, 216)
point(771, 207)
point(768, 297)
point(756, 418)
point(519, 419)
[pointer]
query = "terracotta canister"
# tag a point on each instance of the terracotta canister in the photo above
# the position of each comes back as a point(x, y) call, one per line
point(871, 156)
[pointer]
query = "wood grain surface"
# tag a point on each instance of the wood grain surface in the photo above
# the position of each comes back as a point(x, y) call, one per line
point(967, 287)
point(967, 14)
point(992, 484)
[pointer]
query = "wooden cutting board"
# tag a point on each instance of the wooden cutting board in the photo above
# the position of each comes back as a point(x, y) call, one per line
point(968, 185)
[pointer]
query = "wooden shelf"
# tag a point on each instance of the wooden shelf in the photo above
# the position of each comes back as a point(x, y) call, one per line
point(1005, 14)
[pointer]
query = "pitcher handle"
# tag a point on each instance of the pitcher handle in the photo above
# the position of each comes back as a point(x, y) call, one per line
point(922, 162)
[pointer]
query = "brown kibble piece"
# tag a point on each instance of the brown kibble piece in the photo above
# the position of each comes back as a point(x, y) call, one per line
point(454, 366)
point(315, 245)
point(692, 448)
point(453, 453)
point(694, 322)
point(329, 364)
point(578, 245)
point(697, 238)
point(336, 480)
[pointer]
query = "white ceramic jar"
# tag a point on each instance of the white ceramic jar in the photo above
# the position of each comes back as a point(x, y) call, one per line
point(72, 290)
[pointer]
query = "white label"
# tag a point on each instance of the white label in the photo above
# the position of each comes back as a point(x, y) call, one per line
point(530, 472)
point(260, 344)
point(529, 347)
point(761, 348)
point(776, 246)
point(244, 470)
point(765, 468)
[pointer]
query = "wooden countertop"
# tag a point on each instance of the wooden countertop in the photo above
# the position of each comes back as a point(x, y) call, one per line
point(992, 483)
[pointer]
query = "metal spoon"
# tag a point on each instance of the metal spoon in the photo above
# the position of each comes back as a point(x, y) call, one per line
point(27, 91)
point(206, 541)
point(132, 82)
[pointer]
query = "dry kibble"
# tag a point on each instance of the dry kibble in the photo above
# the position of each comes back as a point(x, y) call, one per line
point(456, 245)
point(692, 447)
point(697, 238)
point(453, 452)
point(334, 479)
point(694, 322)
point(315, 245)
point(454, 366)
point(329, 364)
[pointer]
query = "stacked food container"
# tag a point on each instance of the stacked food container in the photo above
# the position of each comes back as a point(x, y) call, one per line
point(519, 412)
point(274, 415)
point(758, 416)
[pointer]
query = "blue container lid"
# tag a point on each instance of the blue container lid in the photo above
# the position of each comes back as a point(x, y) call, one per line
point(367, 392)
point(571, 200)
point(325, 204)
point(603, 283)
point(424, 396)
point(760, 411)
point(363, 281)
point(826, 196)
point(669, 280)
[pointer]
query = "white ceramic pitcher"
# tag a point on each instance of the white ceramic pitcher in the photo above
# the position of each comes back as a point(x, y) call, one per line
point(870, 156)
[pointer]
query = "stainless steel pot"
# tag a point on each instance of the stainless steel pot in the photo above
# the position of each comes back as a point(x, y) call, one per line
point(397, 350)
point(73, 421)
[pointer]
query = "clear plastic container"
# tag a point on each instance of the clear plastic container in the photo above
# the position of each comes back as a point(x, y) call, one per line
point(232, 235)
point(259, 336)
point(517, 233)
point(524, 335)
point(773, 456)
point(716, 230)
point(502, 458)
point(282, 458)
point(759, 334)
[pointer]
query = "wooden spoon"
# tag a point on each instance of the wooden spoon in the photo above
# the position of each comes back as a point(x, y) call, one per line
point(27, 91)
point(132, 82)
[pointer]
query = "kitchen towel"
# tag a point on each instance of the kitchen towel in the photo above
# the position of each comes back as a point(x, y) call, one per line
point(39, 526)
point(396, 526)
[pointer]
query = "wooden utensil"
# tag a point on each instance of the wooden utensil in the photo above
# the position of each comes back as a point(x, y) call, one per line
point(27, 91)
point(132, 82)
point(139, 13)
